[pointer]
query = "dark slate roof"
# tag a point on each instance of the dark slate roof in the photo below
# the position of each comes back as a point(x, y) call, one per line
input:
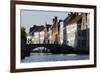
point(36, 28)
point(72, 18)
point(48, 25)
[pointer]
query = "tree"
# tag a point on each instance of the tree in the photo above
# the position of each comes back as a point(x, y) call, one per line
point(23, 43)
point(23, 35)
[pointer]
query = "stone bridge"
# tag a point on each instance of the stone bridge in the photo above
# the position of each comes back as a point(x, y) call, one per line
point(53, 48)
point(26, 49)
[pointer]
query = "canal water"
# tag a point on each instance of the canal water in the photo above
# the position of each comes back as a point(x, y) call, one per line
point(48, 57)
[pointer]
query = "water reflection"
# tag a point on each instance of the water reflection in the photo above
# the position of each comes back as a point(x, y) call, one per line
point(46, 57)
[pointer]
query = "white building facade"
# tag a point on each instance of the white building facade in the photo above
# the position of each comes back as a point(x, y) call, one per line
point(71, 36)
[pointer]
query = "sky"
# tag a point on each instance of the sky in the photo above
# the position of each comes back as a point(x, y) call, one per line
point(33, 17)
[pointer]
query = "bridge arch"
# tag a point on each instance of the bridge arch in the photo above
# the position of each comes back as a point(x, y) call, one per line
point(40, 49)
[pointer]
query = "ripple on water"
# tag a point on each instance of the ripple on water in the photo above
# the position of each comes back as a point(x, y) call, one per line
point(45, 57)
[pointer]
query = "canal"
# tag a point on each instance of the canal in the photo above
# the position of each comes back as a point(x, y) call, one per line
point(48, 57)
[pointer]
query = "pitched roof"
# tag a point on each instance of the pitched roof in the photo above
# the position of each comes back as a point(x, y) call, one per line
point(36, 28)
point(72, 18)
